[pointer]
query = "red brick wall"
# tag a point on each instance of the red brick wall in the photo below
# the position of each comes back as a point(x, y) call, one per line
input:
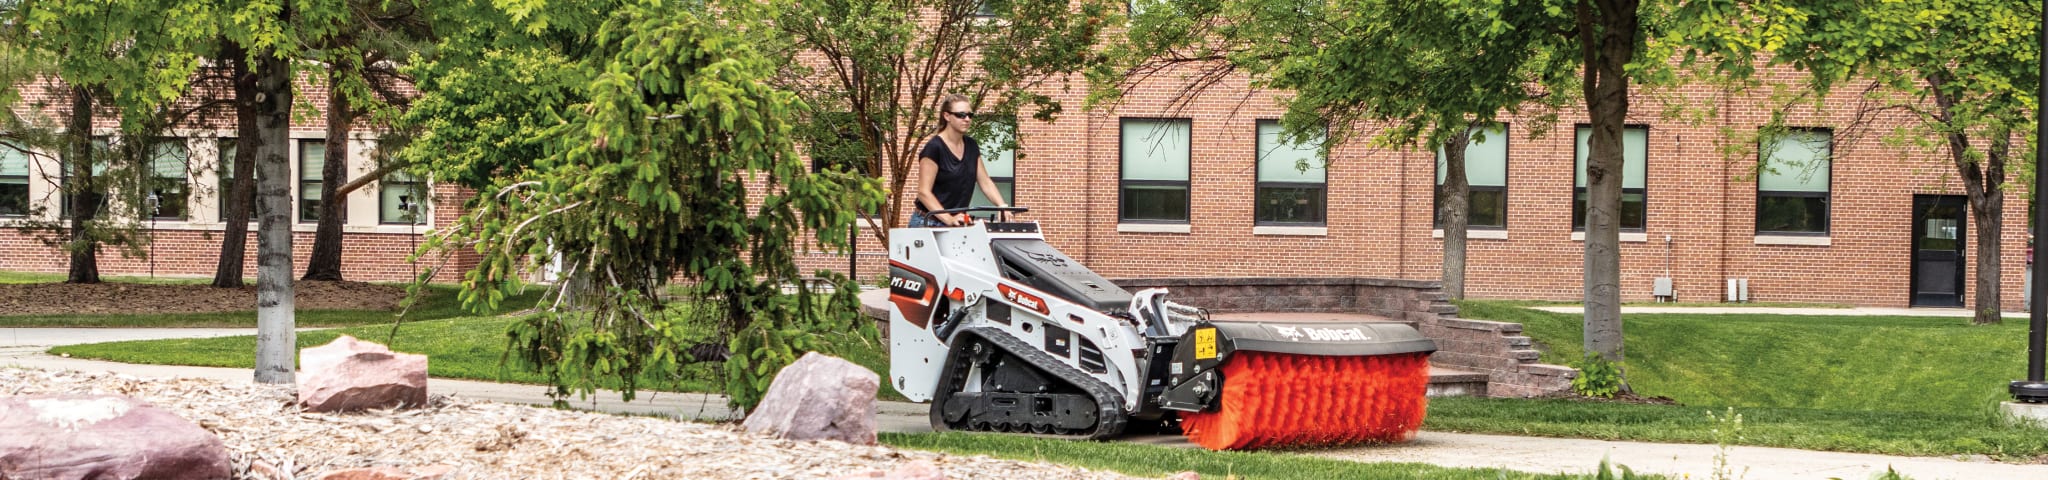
point(1379, 219)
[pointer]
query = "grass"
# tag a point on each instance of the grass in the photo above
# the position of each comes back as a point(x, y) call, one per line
point(471, 348)
point(1157, 461)
point(1895, 385)
point(7, 277)
point(1562, 303)
point(440, 302)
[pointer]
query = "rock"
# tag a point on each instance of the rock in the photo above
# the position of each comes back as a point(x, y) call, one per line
point(348, 374)
point(1185, 476)
point(435, 472)
point(917, 470)
point(103, 437)
point(819, 397)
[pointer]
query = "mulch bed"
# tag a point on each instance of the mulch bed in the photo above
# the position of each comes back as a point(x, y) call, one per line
point(131, 298)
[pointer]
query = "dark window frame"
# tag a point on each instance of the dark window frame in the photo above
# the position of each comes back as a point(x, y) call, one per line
point(299, 202)
point(185, 179)
point(224, 178)
point(1826, 198)
point(101, 145)
point(28, 164)
point(1259, 183)
point(418, 186)
point(1125, 183)
point(1579, 214)
point(1506, 176)
point(1011, 180)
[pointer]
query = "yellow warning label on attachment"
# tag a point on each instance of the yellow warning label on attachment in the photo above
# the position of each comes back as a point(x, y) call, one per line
point(1205, 344)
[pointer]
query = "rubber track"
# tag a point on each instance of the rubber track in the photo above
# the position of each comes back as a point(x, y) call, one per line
point(1109, 420)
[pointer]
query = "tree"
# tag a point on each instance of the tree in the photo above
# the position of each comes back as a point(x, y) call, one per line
point(1963, 71)
point(1596, 47)
point(227, 270)
point(886, 63)
point(1438, 92)
point(131, 58)
point(362, 79)
point(273, 35)
point(645, 180)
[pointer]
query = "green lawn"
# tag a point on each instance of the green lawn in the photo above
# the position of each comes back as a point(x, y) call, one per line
point(27, 277)
point(468, 348)
point(1157, 461)
point(440, 302)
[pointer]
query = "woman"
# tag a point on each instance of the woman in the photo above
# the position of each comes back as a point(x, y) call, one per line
point(949, 168)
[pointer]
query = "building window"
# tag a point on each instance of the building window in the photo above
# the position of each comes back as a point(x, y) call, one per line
point(1292, 183)
point(96, 190)
point(999, 158)
point(1486, 175)
point(1793, 183)
point(13, 180)
point(401, 199)
point(984, 9)
point(1635, 151)
point(312, 167)
point(228, 147)
point(835, 143)
point(1154, 182)
point(169, 185)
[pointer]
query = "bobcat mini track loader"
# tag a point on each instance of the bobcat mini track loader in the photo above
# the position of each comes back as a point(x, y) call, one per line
point(1002, 332)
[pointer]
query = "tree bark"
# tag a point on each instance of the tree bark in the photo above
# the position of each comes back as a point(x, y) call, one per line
point(1453, 210)
point(325, 263)
point(85, 259)
point(1608, 50)
point(1984, 183)
point(227, 272)
point(275, 340)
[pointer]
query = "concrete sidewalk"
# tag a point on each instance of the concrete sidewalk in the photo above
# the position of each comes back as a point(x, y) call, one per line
point(1738, 310)
point(1531, 454)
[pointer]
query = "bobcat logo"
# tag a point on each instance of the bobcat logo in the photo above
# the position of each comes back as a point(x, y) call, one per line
point(1290, 332)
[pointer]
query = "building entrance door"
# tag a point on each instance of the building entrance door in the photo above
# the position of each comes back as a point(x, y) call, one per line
point(1940, 227)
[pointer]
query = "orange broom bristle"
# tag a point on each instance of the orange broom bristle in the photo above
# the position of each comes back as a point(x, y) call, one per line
point(1279, 399)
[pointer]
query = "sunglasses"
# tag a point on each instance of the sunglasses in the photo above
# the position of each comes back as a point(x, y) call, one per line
point(962, 115)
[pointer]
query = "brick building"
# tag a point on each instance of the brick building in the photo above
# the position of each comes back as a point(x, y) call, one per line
point(378, 233)
point(1153, 189)
point(1150, 189)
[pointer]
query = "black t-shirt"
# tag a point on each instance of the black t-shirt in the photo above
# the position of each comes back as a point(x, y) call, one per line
point(954, 185)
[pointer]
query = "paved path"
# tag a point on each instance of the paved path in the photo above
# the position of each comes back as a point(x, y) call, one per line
point(1855, 311)
point(1543, 455)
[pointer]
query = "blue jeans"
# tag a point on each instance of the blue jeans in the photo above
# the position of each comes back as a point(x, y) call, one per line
point(919, 220)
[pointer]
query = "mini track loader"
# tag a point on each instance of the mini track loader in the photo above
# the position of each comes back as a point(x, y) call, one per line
point(1002, 332)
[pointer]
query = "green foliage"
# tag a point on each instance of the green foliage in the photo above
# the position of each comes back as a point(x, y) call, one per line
point(1606, 472)
point(875, 69)
point(1598, 377)
point(1727, 431)
point(678, 166)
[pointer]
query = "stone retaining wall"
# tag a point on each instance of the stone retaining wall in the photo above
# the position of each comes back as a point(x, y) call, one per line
point(1497, 349)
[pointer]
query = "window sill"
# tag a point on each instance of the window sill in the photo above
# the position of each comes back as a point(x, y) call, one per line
point(1475, 234)
point(1153, 228)
point(1629, 237)
point(1291, 231)
point(183, 225)
point(1801, 240)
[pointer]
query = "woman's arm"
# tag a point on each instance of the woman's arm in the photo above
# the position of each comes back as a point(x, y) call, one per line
point(927, 172)
point(988, 188)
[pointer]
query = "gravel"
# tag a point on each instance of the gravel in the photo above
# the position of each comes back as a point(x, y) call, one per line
point(478, 439)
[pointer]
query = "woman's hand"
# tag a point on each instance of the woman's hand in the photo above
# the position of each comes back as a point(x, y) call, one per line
point(952, 219)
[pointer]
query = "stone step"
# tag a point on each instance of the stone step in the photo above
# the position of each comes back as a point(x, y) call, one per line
point(1445, 382)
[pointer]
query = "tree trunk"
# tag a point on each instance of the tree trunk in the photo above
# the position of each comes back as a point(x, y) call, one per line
point(1453, 211)
point(1608, 50)
point(326, 261)
point(1984, 183)
point(234, 242)
point(275, 340)
point(85, 258)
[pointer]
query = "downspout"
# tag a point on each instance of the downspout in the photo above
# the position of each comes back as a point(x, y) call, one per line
point(1088, 183)
point(1725, 243)
point(1401, 256)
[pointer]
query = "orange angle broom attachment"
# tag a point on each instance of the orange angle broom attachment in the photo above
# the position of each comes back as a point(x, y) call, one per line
point(1279, 399)
point(1286, 385)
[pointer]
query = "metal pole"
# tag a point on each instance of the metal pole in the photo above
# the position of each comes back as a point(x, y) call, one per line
point(2033, 389)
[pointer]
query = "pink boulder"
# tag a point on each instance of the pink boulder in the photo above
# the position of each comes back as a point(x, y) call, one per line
point(348, 374)
point(103, 437)
point(819, 397)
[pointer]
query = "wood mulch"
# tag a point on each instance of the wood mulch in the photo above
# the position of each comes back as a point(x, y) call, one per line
point(132, 298)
